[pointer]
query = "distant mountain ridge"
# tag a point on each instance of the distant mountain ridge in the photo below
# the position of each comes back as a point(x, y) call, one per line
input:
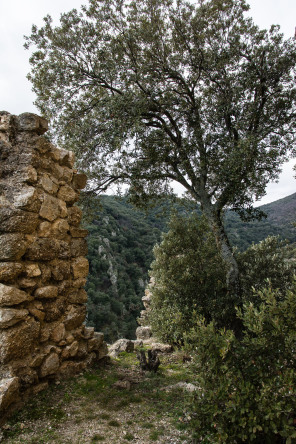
point(281, 214)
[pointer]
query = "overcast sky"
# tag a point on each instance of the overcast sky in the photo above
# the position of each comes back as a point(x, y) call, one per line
point(17, 17)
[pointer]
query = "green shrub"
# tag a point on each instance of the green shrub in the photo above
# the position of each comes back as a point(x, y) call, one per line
point(190, 279)
point(247, 386)
point(264, 261)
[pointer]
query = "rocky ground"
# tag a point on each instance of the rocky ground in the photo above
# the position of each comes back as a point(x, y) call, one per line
point(117, 403)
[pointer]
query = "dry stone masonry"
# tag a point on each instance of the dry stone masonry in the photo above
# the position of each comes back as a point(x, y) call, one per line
point(43, 267)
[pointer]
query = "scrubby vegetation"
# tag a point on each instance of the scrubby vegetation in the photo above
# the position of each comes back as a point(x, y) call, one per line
point(121, 240)
point(243, 349)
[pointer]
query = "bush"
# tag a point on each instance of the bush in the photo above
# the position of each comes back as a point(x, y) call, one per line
point(264, 261)
point(190, 280)
point(247, 385)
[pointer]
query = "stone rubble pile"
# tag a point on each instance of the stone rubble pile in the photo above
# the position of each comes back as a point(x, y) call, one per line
point(43, 267)
point(144, 331)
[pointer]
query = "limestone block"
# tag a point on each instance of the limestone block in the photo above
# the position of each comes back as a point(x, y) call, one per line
point(50, 365)
point(25, 333)
point(77, 297)
point(70, 351)
point(80, 267)
point(60, 269)
point(31, 122)
point(78, 247)
point(75, 316)
point(58, 333)
point(50, 208)
point(27, 199)
point(44, 229)
point(49, 291)
point(12, 246)
point(79, 181)
point(60, 228)
point(13, 220)
point(70, 368)
point(11, 316)
point(10, 270)
point(74, 216)
point(9, 390)
point(44, 249)
point(143, 333)
point(12, 296)
point(33, 270)
point(88, 332)
point(67, 194)
point(48, 184)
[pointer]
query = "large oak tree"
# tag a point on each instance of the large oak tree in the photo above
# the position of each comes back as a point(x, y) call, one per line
point(148, 92)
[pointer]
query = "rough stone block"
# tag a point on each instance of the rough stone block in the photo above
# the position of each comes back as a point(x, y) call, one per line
point(67, 194)
point(50, 208)
point(78, 247)
point(25, 333)
point(74, 216)
point(10, 270)
point(79, 181)
point(11, 316)
point(13, 220)
point(9, 391)
point(49, 291)
point(44, 249)
point(12, 246)
point(50, 365)
point(32, 122)
point(12, 296)
point(80, 267)
point(74, 317)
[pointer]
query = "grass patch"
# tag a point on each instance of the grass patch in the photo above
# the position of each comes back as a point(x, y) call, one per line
point(97, 438)
point(114, 423)
point(129, 437)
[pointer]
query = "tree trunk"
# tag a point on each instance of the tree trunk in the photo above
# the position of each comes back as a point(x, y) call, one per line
point(214, 218)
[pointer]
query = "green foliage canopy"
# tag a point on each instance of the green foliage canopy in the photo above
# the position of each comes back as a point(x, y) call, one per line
point(150, 92)
point(189, 277)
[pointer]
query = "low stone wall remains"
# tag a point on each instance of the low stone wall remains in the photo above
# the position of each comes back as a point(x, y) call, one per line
point(43, 267)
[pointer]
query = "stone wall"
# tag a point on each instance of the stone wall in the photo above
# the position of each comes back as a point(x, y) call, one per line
point(43, 267)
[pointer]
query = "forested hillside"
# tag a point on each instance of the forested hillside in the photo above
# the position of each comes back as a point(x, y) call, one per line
point(121, 239)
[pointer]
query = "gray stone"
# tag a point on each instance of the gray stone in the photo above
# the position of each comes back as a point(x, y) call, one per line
point(9, 391)
point(143, 333)
point(11, 316)
point(122, 345)
point(12, 246)
point(50, 365)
